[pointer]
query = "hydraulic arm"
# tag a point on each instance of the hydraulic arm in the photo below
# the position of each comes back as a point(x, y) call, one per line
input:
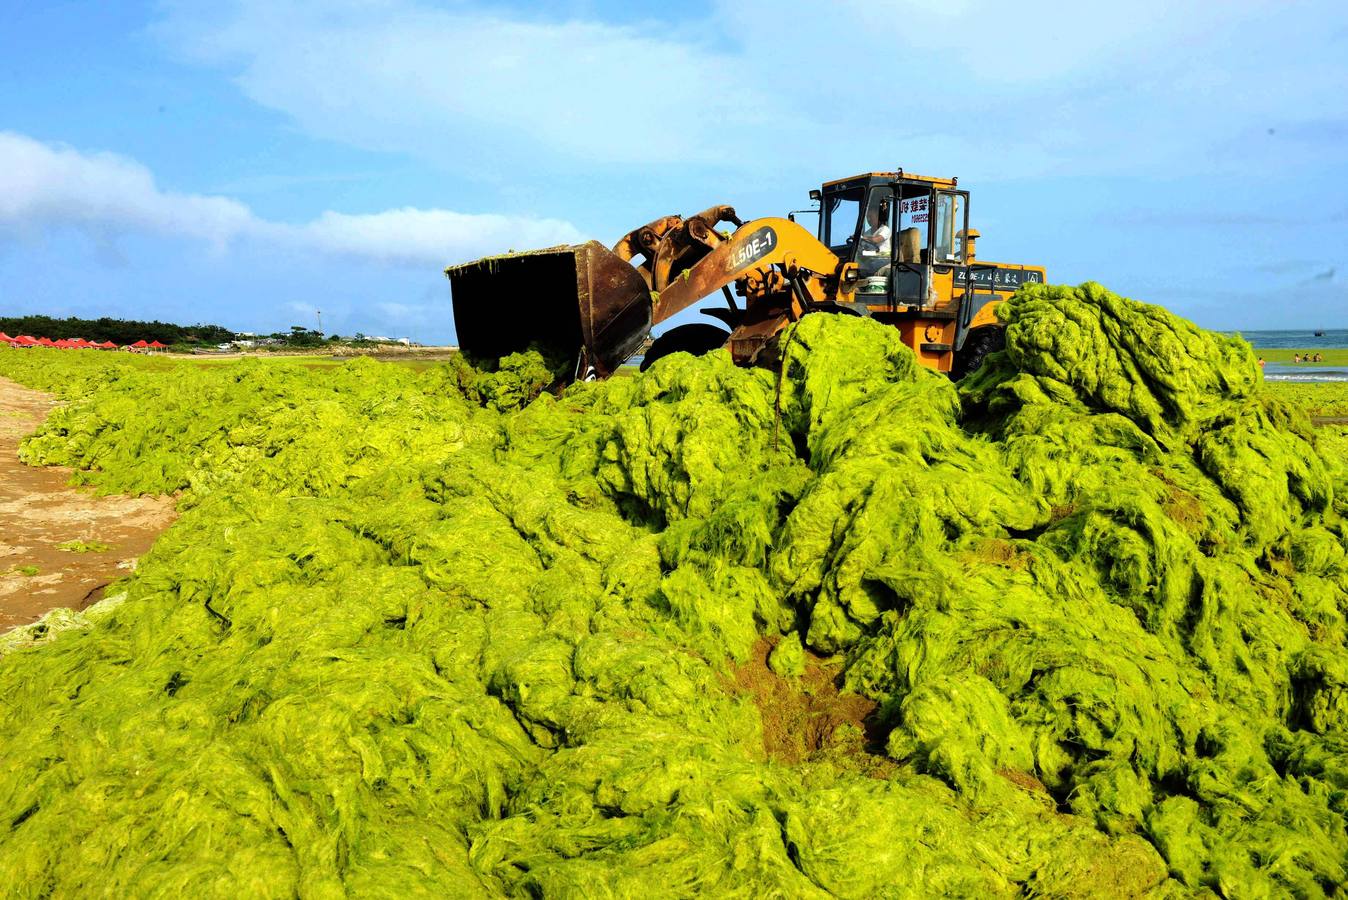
point(603, 303)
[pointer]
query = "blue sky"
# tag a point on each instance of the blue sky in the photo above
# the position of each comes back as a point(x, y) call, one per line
point(247, 162)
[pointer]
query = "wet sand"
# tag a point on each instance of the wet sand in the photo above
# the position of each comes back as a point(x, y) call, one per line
point(39, 511)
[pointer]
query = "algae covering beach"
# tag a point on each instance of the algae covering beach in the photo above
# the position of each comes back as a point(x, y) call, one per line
point(1074, 626)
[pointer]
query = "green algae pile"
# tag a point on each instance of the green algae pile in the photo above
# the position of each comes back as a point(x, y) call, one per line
point(416, 634)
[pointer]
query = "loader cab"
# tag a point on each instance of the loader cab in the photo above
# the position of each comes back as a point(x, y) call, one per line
point(912, 273)
point(903, 232)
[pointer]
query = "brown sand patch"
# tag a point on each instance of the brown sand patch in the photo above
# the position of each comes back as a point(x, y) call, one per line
point(1025, 781)
point(38, 512)
point(807, 717)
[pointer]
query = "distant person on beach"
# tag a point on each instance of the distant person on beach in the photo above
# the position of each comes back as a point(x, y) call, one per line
point(1296, 357)
point(1318, 358)
point(1261, 364)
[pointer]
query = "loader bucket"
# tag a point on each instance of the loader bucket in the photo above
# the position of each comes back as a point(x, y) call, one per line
point(564, 300)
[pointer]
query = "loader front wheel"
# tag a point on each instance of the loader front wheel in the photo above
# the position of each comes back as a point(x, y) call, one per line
point(979, 345)
point(697, 339)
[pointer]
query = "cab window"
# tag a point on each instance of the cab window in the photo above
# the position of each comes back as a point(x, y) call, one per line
point(912, 225)
point(948, 241)
point(842, 210)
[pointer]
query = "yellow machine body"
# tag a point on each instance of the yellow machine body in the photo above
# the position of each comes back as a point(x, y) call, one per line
point(891, 246)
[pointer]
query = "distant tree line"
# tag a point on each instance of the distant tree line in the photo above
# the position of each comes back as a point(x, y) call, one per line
point(308, 338)
point(119, 331)
point(299, 336)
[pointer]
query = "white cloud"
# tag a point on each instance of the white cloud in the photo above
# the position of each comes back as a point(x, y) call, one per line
point(763, 87)
point(43, 185)
point(477, 83)
point(105, 195)
point(414, 236)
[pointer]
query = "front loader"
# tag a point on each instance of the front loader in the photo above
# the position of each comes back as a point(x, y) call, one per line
point(891, 246)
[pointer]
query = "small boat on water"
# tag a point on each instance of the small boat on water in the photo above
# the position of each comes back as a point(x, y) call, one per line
point(1320, 333)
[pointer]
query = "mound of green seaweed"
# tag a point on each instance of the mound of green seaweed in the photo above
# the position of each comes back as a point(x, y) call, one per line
point(407, 638)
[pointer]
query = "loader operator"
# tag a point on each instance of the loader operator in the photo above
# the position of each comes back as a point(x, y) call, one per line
point(875, 239)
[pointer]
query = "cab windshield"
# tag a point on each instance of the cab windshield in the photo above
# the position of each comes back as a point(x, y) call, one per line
point(842, 212)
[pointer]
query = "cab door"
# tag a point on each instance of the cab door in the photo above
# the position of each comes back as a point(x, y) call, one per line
point(949, 221)
point(910, 267)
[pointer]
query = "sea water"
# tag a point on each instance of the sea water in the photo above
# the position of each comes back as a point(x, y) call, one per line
point(1301, 340)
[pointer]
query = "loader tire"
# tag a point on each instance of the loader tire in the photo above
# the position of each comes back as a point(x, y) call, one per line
point(976, 349)
point(696, 339)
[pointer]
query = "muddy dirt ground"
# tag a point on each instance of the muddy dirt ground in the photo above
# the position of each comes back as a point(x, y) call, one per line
point(39, 513)
point(811, 715)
